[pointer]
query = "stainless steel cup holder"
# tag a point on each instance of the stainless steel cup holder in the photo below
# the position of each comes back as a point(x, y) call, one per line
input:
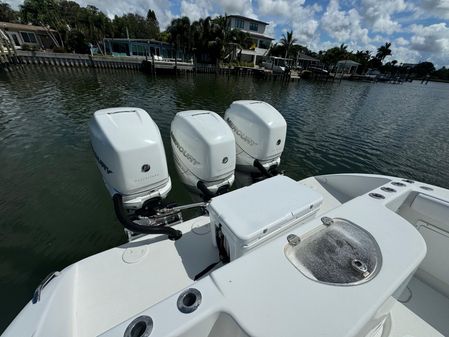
point(376, 196)
point(398, 183)
point(388, 189)
point(142, 326)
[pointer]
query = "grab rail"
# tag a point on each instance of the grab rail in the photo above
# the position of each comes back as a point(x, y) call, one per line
point(42, 285)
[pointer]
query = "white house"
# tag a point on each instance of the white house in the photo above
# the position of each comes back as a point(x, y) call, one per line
point(346, 67)
point(32, 37)
point(256, 29)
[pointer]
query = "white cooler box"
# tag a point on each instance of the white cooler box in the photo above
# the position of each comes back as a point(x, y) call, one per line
point(252, 215)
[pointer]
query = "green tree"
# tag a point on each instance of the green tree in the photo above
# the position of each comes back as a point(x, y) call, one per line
point(362, 57)
point(287, 41)
point(7, 14)
point(40, 12)
point(442, 74)
point(331, 56)
point(152, 23)
point(423, 69)
point(179, 30)
point(134, 26)
point(383, 51)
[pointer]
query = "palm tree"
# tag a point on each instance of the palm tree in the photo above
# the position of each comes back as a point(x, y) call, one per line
point(383, 51)
point(179, 31)
point(343, 49)
point(288, 41)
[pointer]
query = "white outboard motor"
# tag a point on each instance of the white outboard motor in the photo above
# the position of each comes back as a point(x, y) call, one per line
point(130, 155)
point(259, 131)
point(204, 151)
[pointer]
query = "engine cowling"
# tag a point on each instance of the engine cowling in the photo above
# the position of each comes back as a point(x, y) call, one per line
point(130, 155)
point(204, 150)
point(260, 132)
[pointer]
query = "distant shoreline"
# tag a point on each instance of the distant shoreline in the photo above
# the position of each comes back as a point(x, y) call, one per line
point(438, 80)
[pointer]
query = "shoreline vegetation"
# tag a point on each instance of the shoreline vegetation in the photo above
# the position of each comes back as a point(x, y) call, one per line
point(207, 40)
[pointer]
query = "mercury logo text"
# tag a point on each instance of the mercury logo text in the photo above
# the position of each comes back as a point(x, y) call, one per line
point(102, 164)
point(187, 155)
point(239, 133)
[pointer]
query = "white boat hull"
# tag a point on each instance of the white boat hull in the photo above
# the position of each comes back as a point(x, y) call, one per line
point(262, 293)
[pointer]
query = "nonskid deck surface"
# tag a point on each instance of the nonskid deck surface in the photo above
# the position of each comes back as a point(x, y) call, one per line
point(427, 303)
point(122, 282)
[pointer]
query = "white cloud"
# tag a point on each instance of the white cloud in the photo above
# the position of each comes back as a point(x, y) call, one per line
point(431, 39)
point(279, 7)
point(378, 14)
point(438, 8)
point(400, 41)
point(195, 9)
point(242, 7)
point(344, 26)
point(403, 54)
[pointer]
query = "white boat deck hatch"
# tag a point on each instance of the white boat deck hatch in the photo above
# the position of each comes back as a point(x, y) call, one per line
point(253, 214)
point(341, 253)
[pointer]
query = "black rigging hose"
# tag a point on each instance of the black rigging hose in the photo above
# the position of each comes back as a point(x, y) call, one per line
point(123, 217)
point(266, 173)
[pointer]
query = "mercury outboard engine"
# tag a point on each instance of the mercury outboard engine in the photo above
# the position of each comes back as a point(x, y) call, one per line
point(204, 152)
point(259, 131)
point(130, 155)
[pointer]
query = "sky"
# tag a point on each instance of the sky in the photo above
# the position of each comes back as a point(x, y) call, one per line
point(417, 29)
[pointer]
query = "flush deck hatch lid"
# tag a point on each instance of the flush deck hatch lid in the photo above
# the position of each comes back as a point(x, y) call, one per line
point(342, 253)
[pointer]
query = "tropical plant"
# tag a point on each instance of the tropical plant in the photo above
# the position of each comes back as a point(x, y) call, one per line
point(134, 26)
point(331, 56)
point(287, 41)
point(383, 51)
point(423, 69)
point(179, 31)
point(7, 14)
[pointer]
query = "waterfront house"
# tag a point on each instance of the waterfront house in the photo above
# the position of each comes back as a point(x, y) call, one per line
point(31, 37)
point(139, 48)
point(256, 30)
point(305, 61)
point(346, 67)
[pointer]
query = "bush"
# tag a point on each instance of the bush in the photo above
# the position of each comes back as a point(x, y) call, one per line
point(59, 50)
point(30, 47)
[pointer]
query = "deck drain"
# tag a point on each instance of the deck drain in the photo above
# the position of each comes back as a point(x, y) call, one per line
point(426, 188)
point(142, 326)
point(398, 183)
point(388, 189)
point(376, 196)
point(189, 300)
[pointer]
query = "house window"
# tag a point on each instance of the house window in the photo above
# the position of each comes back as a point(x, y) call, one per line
point(253, 26)
point(239, 23)
point(138, 50)
point(264, 44)
point(15, 39)
point(28, 37)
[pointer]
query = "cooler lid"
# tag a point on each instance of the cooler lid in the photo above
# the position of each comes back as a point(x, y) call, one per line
point(257, 210)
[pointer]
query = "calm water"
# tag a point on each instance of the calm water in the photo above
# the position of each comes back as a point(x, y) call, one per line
point(54, 209)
